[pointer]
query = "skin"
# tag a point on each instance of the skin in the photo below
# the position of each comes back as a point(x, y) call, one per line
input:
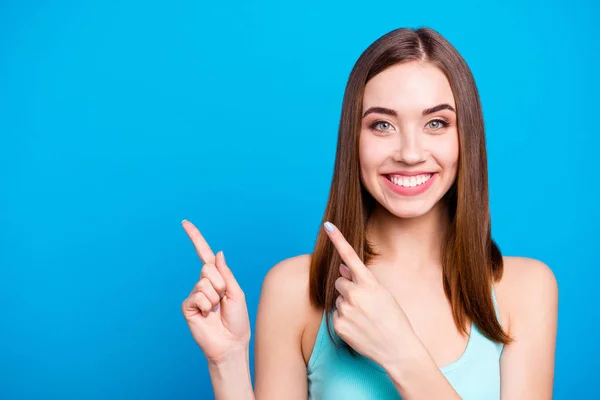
point(399, 296)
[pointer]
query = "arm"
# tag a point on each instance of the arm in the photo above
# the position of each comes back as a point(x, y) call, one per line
point(217, 316)
point(418, 377)
point(527, 364)
point(230, 377)
point(529, 290)
point(371, 321)
point(280, 370)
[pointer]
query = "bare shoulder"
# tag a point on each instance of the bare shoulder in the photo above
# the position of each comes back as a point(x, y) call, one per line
point(284, 293)
point(285, 304)
point(297, 266)
point(527, 277)
point(527, 286)
point(287, 281)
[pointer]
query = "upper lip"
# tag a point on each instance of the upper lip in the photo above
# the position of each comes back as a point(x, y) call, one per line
point(409, 173)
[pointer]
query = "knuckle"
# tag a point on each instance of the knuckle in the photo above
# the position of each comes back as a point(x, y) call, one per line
point(339, 326)
point(202, 302)
point(336, 284)
point(346, 308)
point(352, 296)
point(210, 293)
point(219, 286)
point(341, 305)
point(204, 284)
point(207, 270)
point(210, 272)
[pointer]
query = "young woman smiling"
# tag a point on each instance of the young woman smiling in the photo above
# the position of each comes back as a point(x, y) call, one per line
point(405, 295)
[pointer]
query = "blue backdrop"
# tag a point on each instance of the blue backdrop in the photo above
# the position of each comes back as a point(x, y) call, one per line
point(119, 119)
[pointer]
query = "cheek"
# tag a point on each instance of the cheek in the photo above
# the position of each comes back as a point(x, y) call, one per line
point(372, 153)
point(447, 151)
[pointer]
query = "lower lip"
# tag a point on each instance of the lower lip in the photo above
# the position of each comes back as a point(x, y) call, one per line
point(409, 191)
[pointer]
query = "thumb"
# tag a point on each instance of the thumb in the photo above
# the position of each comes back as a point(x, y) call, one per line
point(232, 288)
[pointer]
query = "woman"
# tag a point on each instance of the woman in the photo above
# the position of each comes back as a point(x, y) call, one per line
point(405, 295)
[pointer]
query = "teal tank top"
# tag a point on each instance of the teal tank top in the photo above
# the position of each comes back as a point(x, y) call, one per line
point(334, 374)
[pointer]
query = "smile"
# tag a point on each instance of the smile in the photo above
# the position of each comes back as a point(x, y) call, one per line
point(409, 185)
point(409, 181)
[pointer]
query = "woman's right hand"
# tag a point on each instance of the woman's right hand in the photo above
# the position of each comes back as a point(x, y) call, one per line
point(215, 310)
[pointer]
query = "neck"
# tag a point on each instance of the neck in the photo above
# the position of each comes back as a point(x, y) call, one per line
point(409, 243)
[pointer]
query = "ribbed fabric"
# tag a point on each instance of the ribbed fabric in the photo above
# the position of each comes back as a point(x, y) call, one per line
point(334, 374)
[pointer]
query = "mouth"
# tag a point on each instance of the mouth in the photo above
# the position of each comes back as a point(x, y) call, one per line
point(410, 185)
point(409, 181)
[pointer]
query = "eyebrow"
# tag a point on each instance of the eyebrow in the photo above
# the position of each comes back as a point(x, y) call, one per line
point(389, 111)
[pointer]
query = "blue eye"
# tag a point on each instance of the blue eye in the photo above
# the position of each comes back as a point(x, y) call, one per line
point(438, 124)
point(381, 126)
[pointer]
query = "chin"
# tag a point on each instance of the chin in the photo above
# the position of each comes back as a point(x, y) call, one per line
point(409, 211)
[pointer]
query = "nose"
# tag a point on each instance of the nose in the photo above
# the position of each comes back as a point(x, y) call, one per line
point(410, 150)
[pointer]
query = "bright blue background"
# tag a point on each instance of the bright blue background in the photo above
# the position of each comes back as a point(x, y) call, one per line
point(119, 119)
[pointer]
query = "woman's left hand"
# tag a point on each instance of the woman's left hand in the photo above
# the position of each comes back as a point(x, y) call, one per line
point(368, 317)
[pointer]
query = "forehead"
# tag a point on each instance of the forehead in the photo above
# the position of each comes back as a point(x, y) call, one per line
point(408, 87)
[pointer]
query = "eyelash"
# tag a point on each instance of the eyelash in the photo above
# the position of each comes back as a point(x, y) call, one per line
point(374, 125)
point(442, 121)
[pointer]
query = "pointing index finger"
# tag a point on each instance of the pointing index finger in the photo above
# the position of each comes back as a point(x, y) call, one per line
point(202, 248)
point(347, 253)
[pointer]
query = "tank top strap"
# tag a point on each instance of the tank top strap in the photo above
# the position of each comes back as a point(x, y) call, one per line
point(495, 303)
point(499, 346)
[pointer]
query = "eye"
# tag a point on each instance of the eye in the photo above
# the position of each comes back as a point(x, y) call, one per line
point(381, 126)
point(436, 124)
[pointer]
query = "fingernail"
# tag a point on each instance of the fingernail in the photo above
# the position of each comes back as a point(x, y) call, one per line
point(223, 255)
point(346, 268)
point(329, 226)
point(216, 308)
point(183, 220)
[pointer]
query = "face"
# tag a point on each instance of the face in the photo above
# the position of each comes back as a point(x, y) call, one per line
point(409, 140)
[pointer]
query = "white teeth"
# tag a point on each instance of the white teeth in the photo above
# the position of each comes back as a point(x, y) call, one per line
point(410, 181)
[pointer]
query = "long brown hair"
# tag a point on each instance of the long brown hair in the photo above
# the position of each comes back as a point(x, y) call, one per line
point(471, 259)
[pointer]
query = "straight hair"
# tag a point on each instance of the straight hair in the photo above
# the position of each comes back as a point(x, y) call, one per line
point(471, 260)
